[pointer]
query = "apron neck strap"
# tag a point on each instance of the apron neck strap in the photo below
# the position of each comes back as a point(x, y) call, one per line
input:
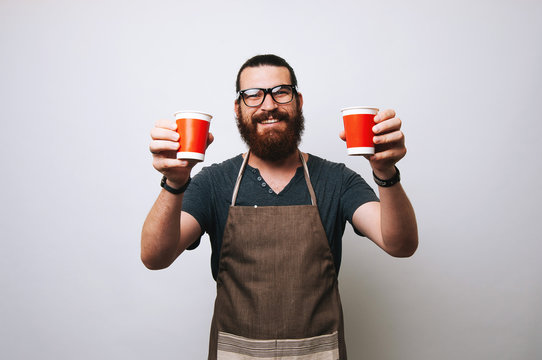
point(242, 170)
point(239, 176)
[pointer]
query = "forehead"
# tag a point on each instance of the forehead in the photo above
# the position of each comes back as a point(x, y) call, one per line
point(264, 77)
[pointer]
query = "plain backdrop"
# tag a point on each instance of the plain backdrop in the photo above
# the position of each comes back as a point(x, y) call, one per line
point(82, 83)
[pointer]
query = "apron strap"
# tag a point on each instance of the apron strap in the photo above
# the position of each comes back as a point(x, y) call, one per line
point(308, 178)
point(242, 170)
point(239, 176)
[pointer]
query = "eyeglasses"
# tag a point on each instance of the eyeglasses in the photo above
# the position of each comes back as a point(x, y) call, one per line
point(281, 94)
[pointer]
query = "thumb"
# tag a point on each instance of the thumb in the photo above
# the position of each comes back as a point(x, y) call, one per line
point(342, 135)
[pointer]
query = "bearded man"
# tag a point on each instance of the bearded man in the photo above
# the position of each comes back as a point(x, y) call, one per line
point(275, 217)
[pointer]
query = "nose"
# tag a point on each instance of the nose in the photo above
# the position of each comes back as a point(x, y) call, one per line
point(268, 103)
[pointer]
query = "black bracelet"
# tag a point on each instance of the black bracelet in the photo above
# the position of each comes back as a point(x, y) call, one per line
point(390, 182)
point(173, 190)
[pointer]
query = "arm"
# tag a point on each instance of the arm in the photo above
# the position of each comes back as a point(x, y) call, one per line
point(167, 231)
point(391, 224)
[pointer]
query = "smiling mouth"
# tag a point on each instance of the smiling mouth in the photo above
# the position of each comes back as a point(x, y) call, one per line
point(269, 121)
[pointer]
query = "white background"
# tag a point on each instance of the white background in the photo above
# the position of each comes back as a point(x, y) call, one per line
point(82, 83)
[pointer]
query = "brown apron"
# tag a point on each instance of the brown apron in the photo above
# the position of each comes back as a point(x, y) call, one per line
point(277, 290)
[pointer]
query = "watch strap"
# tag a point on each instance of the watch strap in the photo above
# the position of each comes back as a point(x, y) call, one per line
point(172, 190)
point(390, 182)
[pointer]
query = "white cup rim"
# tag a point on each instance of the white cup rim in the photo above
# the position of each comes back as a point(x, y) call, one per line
point(194, 114)
point(360, 107)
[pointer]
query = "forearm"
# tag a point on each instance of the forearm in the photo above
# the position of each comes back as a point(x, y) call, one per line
point(398, 222)
point(160, 236)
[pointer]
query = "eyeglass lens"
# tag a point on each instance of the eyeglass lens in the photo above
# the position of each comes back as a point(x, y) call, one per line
point(282, 94)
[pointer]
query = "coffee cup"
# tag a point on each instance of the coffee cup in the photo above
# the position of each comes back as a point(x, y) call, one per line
point(193, 130)
point(358, 126)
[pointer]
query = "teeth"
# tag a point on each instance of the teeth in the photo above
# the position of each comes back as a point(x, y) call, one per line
point(269, 121)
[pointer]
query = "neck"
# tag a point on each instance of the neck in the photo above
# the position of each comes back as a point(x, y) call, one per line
point(277, 174)
point(292, 161)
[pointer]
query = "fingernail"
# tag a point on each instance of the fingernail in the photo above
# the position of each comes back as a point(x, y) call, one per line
point(376, 129)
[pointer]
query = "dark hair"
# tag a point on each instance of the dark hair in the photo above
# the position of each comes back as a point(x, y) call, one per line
point(262, 60)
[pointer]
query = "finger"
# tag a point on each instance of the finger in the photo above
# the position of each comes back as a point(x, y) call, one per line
point(384, 115)
point(159, 133)
point(391, 155)
point(393, 124)
point(167, 164)
point(210, 139)
point(389, 138)
point(166, 124)
point(160, 146)
point(342, 135)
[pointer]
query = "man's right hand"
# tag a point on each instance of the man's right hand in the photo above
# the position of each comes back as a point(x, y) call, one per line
point(163, 146)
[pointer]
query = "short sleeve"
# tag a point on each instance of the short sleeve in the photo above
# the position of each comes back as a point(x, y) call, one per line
point(197, 202)
point(355, 192)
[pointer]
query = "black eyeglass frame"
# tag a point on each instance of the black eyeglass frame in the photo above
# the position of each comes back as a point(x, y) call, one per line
point(270, 92)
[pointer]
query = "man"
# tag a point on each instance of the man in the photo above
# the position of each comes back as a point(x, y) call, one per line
point(275, 217)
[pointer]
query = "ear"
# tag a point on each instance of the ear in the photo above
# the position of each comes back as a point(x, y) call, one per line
point(236, 108)
point(299, 100)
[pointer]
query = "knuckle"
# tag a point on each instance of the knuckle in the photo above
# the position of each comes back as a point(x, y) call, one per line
point(157, 164)
point(164, 165)
point(399, 153)
point(154, 147)
point(156, 133)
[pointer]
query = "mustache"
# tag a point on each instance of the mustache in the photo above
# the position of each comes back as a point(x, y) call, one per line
point(275, 114)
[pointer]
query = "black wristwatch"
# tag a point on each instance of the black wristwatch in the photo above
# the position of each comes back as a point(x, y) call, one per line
point(173, 190)
point(390, 182)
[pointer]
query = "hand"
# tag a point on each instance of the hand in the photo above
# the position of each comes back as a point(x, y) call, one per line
point(163, 146)
point(389, 143)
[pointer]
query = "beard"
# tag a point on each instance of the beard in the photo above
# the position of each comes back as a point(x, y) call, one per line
point(272, 144)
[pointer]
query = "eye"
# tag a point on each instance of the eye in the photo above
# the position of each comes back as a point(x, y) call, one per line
point(252, 93)
point(281, 91)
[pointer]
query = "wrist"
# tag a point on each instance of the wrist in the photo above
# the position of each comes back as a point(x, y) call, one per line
point(175, 184)
point(173, 187)
point(387, 180)
point(386, 173)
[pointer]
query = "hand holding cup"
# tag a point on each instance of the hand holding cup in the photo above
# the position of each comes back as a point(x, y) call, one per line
point(164, 147)
point(388, 141)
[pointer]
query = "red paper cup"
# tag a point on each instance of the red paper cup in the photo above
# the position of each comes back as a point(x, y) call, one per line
point(358, 126)
point(193, 129)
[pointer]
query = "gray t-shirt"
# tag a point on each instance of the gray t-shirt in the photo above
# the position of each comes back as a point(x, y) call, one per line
point(339, 192)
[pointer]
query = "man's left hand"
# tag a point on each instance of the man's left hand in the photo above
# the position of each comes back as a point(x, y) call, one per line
point(389, 143)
